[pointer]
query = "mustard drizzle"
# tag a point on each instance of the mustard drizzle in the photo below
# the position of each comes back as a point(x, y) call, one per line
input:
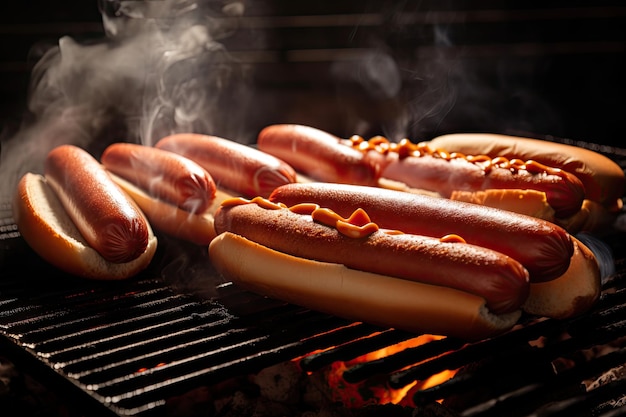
point(357, 226)
point(406, 148)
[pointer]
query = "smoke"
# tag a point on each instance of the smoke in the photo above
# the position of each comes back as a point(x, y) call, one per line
point(426, 74)
point(413, 84)
point(161, 68)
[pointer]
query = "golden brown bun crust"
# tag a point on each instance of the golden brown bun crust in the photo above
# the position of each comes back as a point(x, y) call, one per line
point(571, 294)
point(171, 220)
point(591, 217)
point(529, 202)
point(603, 179)
point(355, 295)
point(44, 225)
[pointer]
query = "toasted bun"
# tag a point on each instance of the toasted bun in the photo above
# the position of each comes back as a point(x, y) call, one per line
point(48, 230)
point(529, 202)
point(603, 179)
point(171, 220)
point(592, 216)
point(572, 293)
point(356, 295)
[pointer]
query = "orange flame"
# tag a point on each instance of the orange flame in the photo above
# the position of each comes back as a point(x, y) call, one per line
point(377, 390)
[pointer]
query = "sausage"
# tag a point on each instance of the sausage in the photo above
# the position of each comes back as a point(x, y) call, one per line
point(311, 232)
point(106, 217)
point(424, 167)
point(603, 178)
point(542, 247)
point(446, 174)
point(317, 154)
point(232, 165)
point(162, 174)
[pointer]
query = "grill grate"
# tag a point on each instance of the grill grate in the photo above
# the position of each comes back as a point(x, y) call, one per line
point(128, 347)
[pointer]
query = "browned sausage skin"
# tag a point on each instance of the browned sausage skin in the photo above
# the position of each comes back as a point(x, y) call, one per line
point(106, 217)
point(233, 166)
point(542, 247)
point(603, 178)
point(311, 232)
point(317, 154)
point(165, 175)
point(421, 166)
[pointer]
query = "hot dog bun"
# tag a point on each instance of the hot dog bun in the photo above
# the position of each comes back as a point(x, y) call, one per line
point(356, 295)
point(592, 215)
point(572, 293)
point(49, 231)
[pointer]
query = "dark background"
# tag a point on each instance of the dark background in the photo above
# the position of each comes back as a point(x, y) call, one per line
point(400, 68)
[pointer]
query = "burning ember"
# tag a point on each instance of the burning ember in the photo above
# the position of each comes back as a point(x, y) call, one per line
point(285, 388)
point(377, 390)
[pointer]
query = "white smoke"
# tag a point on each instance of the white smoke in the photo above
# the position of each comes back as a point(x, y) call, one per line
point(160, 69)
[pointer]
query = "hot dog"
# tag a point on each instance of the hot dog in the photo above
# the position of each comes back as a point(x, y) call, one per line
point(312, 232)
point(317, 154)
point(235, 167)
point(422, 167)
point(356, 295)
point(178, 196)
point(544, 248)
point(570, 287)
point(603, 179)
point(79, 220)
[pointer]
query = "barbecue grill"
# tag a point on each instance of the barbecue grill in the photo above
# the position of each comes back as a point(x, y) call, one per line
point(178, 338)
point(132, 346)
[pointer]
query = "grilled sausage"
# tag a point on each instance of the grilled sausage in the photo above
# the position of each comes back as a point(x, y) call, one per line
point(234, 166)
point(421, 166)
point(543, 248)
point(317, 154)
point(106, 217)
point(164, 175)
